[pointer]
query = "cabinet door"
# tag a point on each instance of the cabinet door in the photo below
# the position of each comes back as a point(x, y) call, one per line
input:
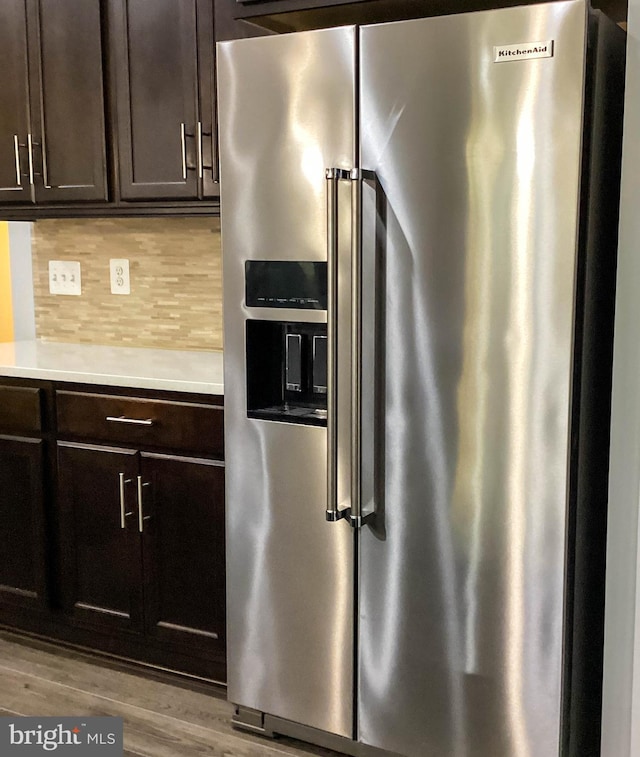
point(156, 62)
point(67, 100)
point(183, 547)
point(208, 161)
point(22, 541)
point(101, 580)
point(253, 9)
point(14, 103)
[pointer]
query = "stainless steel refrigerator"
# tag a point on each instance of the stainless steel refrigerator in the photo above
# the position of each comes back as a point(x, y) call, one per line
point(419, 235)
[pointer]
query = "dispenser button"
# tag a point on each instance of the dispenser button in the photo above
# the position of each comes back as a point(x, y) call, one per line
point(293, 358)
point(320, 364)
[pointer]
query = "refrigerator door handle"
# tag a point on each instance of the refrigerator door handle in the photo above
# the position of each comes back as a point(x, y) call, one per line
point(333, 176)
point(356, 348)
point(356, 516)
point(352, 514)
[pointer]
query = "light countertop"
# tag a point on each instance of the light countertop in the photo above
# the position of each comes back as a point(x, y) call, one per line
point(171, 370)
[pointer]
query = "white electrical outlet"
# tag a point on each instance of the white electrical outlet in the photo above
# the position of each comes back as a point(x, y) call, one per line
point(119, 269)
point(65, 277)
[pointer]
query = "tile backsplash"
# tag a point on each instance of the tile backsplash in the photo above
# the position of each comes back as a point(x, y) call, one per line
point(176, 282)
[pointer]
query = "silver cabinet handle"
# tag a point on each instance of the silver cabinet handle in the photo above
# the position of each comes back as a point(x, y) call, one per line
point(183, 145)
point(45, 170)
point(141, 516)
point(123, 513)
point(32, 172)
point(131, 421)
point(333, 176)
point(30, 149)
point(200, 148)
point(202, 167)
point(16, 149)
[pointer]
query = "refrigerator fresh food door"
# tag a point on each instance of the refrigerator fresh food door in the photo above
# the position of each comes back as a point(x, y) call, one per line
point(472, 125)
point(287, 113)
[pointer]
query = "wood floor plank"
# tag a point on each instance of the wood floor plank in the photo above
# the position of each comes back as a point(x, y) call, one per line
point(146, 733)
point(8, 713)
point(190, 706)
point(161, 720)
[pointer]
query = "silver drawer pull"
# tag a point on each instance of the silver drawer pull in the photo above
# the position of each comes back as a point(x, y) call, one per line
point(132, 421)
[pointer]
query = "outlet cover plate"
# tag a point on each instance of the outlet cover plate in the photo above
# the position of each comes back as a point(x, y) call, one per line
point(65, 277)
point(119, 274)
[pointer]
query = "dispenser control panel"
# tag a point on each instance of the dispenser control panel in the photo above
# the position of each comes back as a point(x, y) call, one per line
point(286, 284)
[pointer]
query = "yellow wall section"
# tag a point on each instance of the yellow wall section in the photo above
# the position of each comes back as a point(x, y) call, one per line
point(6, 305)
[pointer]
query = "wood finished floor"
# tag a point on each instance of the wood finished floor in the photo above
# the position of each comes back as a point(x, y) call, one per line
point(160, 719)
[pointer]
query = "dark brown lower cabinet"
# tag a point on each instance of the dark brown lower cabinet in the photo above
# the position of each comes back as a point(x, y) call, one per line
point(183, 549)
point(112, 522)
point(101, 571)
point(22, 541)
point(142, 537)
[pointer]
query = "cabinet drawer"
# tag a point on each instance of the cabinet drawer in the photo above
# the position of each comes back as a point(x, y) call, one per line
point(20, 410)
point(179, 426)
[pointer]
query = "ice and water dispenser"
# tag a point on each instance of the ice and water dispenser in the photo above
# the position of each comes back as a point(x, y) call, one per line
point(286, 360)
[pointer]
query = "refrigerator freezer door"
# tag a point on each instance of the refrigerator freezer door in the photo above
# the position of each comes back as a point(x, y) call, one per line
point(462, 578)
point(287, 112)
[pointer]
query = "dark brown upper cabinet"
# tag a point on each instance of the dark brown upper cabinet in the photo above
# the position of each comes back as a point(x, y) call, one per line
point(14, 100)
point(299, 15)
point(164, 64)
point(52, 118)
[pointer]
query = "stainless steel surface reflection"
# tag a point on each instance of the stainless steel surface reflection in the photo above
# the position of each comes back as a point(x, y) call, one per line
point(286, 114)
point(461, 582)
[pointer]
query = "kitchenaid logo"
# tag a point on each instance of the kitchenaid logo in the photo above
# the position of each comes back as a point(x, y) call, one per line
point(28, 737)
point(523, 51)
